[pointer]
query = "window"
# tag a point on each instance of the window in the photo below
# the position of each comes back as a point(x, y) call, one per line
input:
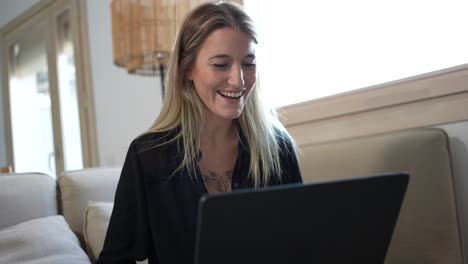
point(49, 108)
point(312, 49)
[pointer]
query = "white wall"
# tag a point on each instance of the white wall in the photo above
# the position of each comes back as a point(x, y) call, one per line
point(126, 105)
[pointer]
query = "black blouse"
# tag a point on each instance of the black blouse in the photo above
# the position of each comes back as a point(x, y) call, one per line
point(154, 214)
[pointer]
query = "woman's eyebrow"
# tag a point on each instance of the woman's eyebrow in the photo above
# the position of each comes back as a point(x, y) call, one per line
point(224, 56)
point(219, 56)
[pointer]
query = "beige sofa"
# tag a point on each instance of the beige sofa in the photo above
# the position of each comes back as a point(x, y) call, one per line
point(39, 214)
point(428, 230)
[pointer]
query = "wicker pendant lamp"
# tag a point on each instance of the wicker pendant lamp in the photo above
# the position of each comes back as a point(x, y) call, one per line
point(143, 32)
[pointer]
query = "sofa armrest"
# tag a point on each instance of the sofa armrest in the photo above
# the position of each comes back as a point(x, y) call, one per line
point(78, 188)
point(26, 196)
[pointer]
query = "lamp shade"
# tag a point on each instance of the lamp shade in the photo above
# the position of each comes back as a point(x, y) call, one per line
point(143, 32)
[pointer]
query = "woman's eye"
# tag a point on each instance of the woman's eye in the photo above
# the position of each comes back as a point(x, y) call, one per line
point(249, 65)
point(220, 65)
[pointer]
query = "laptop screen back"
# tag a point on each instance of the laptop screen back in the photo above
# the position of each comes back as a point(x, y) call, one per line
point(343, 221)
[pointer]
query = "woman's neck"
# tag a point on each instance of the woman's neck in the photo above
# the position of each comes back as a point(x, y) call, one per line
point(218, 131)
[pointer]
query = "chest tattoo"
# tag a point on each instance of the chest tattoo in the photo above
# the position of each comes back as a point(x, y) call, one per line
point(218, 182)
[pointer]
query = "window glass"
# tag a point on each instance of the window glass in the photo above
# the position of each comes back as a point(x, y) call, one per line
point(312, 49)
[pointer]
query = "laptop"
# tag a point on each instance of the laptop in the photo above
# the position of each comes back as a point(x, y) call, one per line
point(339, 221)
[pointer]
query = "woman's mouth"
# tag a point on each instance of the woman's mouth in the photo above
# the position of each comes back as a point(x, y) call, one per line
point(231, 95)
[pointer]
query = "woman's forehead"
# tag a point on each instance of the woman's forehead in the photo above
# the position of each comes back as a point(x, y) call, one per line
point(226, 41)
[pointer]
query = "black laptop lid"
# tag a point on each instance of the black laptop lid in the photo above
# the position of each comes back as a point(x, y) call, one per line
point(342, 221)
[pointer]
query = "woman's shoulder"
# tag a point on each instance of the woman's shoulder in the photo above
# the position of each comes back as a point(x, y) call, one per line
point(156, 150)
point(283, 137)
point(286, 144)
point(152, 140)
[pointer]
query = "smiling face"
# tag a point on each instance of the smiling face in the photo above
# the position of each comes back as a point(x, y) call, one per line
point(224, 72)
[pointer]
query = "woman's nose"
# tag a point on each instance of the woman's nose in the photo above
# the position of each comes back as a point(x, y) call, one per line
point(236, 78)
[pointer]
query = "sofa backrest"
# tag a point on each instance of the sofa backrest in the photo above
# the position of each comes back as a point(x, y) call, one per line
point(78, 188)
point(26, 196)
point(427, 230)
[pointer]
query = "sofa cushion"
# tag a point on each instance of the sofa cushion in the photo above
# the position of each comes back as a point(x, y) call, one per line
point(96, 221)
point(95, 225)
point(427, 230)
point(26, 196)
point(47, 240)
point(78, 188)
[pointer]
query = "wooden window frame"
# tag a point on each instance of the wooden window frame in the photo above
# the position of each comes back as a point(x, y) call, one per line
point(431, 99)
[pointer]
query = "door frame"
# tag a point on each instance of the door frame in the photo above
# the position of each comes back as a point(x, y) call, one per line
point(48, 10)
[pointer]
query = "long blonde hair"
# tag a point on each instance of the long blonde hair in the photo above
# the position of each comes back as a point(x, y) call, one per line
point(183, 110)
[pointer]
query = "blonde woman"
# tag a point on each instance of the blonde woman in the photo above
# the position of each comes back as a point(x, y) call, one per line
point(213, 135)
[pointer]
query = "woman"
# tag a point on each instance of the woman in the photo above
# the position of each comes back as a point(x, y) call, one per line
point(212, 135)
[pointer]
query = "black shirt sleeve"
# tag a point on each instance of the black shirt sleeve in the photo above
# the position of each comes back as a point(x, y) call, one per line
point(291, 170)
point(128, 236)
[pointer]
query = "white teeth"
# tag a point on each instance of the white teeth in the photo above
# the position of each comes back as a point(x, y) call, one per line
point(231, 94)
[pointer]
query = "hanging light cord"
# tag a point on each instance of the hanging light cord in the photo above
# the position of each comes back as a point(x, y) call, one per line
point(161, 71)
